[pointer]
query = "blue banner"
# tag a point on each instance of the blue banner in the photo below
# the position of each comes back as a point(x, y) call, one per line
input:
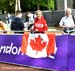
point(10, 52)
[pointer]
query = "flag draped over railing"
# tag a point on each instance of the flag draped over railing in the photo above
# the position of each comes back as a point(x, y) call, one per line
point(38, 45)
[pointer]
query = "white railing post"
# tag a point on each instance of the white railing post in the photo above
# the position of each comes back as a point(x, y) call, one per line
point(65, 5)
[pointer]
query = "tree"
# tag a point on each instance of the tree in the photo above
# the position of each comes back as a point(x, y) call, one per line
point(7, 5)
point(27, 5)
point(32, 5)
point(50, 4)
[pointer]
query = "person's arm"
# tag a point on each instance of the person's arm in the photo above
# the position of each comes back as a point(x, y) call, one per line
point(61, 24)
point(45, 28)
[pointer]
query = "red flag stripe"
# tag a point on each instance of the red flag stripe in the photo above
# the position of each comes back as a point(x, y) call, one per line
point(24, 43)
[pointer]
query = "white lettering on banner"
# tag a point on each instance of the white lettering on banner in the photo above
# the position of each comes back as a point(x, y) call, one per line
point(2, 48)
point(10, 49)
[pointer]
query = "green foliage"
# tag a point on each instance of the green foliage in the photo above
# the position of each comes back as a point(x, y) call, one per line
point(27, 5)
point(7, 5)
point(50, 5)
point(32, 5)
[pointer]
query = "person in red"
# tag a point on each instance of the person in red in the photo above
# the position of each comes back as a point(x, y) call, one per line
point(38, 44)
point(40, 24)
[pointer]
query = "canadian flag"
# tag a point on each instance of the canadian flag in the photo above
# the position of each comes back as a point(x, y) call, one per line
point(38, 45)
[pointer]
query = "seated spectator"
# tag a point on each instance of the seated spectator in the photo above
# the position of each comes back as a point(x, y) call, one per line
point(40, 24)
point(9, 19)
point(17, 24)
point(3, 27)
point(29, 20)
point(67, 22)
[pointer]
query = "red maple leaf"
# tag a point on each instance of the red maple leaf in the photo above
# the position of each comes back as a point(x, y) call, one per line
point(37, 43)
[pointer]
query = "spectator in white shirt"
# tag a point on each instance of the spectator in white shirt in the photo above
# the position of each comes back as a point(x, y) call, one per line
point(29, 20)
point(67, 22)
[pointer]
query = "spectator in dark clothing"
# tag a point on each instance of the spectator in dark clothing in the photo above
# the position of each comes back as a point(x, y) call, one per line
point(17, 24)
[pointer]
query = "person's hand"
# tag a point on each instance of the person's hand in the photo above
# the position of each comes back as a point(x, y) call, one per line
point(71, 27)
point(29, 23)
point(36, 30)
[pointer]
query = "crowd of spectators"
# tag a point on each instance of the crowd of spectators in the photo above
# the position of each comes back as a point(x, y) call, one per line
point(16, 24)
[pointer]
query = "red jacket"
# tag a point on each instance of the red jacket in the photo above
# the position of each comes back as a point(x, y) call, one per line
point(40, 24)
